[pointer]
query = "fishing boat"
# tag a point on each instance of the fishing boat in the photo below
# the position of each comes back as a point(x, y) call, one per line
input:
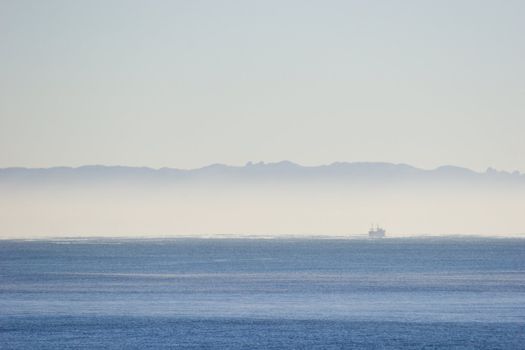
point(376, 232)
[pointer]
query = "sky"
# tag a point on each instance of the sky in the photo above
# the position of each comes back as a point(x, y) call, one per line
point(188, 83)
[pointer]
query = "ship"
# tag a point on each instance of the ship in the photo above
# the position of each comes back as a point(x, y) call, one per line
point(376, 232)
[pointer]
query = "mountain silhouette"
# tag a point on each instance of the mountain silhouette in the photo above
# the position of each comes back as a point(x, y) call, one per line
point(284, 171)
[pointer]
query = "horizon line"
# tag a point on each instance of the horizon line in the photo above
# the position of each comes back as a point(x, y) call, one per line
point(264, 237)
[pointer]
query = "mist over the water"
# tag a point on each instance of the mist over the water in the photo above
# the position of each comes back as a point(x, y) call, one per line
point(278, 199)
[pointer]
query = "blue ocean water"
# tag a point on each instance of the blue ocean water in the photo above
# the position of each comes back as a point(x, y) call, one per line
point(263, 294)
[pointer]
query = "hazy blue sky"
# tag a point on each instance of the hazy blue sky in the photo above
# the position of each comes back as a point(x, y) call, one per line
point(187, 83)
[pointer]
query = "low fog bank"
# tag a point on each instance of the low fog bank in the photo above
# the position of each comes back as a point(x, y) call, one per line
point(263, 210)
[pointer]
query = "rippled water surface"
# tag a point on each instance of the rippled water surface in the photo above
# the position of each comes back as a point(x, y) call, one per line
point(260, 294)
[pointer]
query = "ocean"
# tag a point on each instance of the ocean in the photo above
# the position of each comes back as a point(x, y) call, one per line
point(396, 293)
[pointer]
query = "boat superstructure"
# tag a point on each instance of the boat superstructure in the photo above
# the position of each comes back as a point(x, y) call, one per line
point(376, 232)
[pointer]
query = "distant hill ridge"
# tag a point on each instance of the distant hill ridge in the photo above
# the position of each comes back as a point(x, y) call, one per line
point(284, 170)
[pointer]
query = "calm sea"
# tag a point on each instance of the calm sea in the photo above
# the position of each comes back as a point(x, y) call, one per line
point(263, 294)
